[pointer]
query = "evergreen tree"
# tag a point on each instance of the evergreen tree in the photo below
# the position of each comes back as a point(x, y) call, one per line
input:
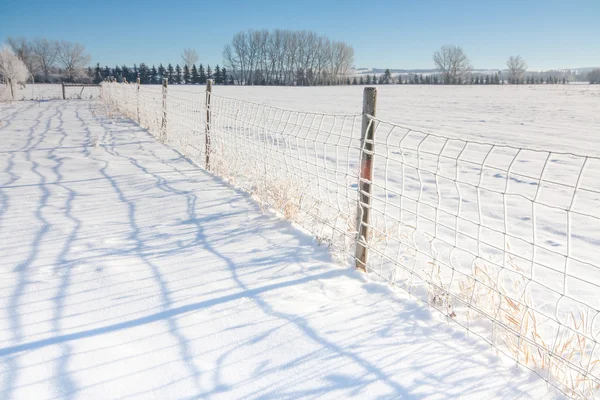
point(202, 75)
point(399, 79)
point(153, 75)
point(436, 80)
point(477, 81)
point(361, 81)
point(224, 76)
point(186, 75)
point(564, 80)
point(231, 81)
point(98, 74)
point(178, 75)
point(459, 80)
point(195, 78)
point(126, 74)
point(162, 73)
point(368, 79)
point(107, 73)
point(496, 79)
point(218, 79)
point(387, 76)
point(208, 72)
point(136, 72)
point(144, 74)
point(170, 74)
point(354, 82)
point(487, 79)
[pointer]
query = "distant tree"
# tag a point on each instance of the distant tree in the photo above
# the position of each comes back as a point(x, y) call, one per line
point(217, 75)
point(496, 79)
point(224, 76)
point(436, 80)
point(72, 57)
point(452, 62)
point(487, 79)
point(118, 73)
point(97, 74)
point(189, 57)
point(201, 75)
point(564, 80)
point(154, 75)
point(516, 68)
point(45, 53)
point(162, 73)
point(459, 81)
point(107, 73)
point(209, 73)
point(178, 75)
point(195, 78)
point(145, 77)
point(368, 79)
point(361, 81)
point(387, 76)
point(187, 78)
point(399, 79)
point(354, 82)
point(170, 74)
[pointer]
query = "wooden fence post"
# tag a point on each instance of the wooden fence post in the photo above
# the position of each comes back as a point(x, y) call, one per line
point(208, 121)
point(163, 126)
point(137, 95)
point(365, 187)
point(63, 90)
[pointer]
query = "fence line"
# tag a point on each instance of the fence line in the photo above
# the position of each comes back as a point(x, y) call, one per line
point(49, 91)
point(502, 240)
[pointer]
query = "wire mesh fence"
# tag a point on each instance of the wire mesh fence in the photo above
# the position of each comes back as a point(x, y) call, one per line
point(48, 91)
point(499, 239)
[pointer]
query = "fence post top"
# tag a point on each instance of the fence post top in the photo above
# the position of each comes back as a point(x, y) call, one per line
point(165, 82)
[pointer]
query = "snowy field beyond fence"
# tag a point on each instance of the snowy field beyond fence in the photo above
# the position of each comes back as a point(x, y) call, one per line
point(128, 272)
point(496, 224)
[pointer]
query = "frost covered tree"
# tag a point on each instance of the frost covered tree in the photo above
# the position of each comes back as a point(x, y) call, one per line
point(72, 57)
point(452, 62)
point(186, 75)
point(23, 50)
point(13, 70)
point(516, 68)
point(201, 75)
point(189, 57)
point(195, 78)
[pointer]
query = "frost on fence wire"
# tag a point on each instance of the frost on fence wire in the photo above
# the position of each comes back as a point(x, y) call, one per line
point(502, 240)
point(305, 165)
point(49, 91)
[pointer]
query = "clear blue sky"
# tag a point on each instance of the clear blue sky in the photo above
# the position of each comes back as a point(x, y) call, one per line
point(385, 34)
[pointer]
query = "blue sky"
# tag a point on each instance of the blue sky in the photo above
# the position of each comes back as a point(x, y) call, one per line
point(384, 34)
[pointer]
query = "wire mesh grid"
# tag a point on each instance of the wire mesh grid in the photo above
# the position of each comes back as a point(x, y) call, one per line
point(501, 240)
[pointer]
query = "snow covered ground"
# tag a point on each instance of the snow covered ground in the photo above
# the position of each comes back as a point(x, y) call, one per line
point(127, 272)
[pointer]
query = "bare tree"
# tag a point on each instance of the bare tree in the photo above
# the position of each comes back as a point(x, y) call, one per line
point(452, 62)
point(516, 67)
point(12, 69)
point(72, 57)
point(45, 52)
point(189, 57)
point(285, 57)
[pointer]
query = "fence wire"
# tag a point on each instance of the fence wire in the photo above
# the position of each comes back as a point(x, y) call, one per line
point(48, 91)
point(501, 240)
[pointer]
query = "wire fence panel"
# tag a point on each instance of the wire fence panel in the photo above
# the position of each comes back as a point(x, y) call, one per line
point(501, 240)
point(49, 91)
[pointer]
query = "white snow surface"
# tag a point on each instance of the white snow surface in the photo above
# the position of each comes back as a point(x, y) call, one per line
point(128, 272)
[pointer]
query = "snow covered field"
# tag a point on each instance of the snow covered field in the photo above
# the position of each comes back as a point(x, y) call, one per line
point(127, 272)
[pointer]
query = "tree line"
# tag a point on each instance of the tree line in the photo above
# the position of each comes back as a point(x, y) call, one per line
point(287, 57)
point(51, 60)
point(188, 75)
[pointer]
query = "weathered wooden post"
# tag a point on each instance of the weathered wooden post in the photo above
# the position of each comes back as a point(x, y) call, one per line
point(365, 187)
point(208, 121)
point(137, 95)
point(63, 90)
point(163, 126)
